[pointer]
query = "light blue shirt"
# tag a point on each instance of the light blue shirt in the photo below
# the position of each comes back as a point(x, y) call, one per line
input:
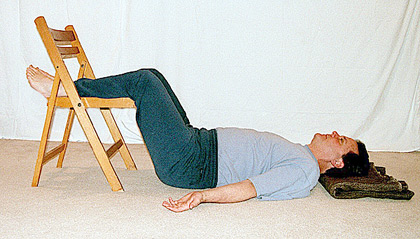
point(278, 168)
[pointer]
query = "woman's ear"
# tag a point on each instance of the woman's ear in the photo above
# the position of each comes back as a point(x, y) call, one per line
point(339, 163)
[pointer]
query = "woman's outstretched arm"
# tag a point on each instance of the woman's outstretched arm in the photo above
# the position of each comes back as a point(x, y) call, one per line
point(236, 192)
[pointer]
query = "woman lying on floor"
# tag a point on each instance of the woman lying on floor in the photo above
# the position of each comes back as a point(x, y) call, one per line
point(230, 164)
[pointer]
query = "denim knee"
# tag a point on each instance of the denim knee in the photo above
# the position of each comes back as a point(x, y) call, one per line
point(138, 81)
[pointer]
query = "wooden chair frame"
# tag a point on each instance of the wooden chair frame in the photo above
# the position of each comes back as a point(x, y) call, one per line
point(63, 44)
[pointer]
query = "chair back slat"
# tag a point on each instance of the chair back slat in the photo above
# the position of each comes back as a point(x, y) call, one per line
point(64, 38)
point(68, 52)
point(63, 44)
point(59, 35)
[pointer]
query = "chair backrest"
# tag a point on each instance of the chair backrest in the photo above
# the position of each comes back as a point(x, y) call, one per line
point(63, 44)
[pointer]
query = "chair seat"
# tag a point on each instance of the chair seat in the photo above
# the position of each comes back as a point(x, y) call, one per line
point(94, 102)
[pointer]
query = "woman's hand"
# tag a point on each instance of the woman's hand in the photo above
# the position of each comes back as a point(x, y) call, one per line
point(236, 192)
point(188, 202)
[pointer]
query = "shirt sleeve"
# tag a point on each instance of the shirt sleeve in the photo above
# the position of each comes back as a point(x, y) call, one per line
point(282, 183)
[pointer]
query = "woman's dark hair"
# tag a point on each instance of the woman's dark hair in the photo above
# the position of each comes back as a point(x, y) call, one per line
point(354, 165)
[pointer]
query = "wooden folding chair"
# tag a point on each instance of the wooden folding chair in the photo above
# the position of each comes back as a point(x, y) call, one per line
point(62, 45)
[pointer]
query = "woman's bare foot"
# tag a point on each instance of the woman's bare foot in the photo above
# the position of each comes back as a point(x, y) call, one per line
point(42, 82)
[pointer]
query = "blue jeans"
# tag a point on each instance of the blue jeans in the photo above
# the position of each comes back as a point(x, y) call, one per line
point(183, 156)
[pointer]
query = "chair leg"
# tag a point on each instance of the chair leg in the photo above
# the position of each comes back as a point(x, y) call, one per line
point(43, 144)
point(66, 136)
point(98, 149)
point(116, 135)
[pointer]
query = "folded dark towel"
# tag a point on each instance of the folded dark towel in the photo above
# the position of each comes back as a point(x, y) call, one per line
point(376, 184)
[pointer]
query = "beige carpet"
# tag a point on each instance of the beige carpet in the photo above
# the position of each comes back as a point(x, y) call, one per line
point(77, 202)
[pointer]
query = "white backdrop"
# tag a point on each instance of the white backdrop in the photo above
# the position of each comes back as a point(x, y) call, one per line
point(291, 67)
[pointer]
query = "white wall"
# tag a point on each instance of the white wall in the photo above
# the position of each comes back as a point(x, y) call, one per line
point(291, 67)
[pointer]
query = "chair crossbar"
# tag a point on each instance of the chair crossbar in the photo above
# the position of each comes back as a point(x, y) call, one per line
point(114, 148)
point(52, 153)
